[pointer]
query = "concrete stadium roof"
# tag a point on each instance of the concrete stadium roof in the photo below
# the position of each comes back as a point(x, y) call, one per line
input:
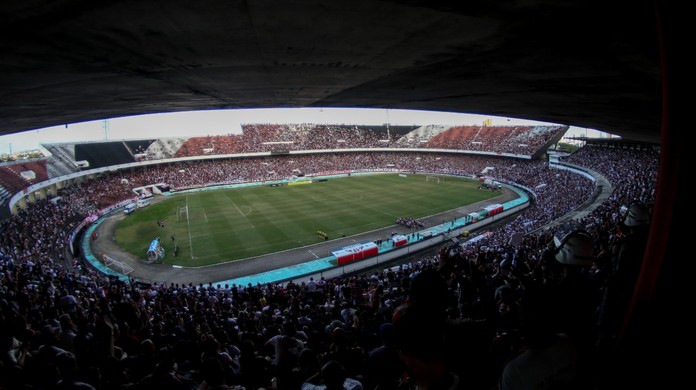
point(585, 63)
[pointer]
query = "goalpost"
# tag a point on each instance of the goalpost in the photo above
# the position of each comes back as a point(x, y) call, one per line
point(182, 214)
point(435, 179)
point(116, 265)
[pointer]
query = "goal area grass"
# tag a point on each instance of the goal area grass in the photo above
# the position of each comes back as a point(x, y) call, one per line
point(210, 227)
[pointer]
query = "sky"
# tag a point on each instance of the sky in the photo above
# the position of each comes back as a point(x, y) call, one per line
point(217, 122)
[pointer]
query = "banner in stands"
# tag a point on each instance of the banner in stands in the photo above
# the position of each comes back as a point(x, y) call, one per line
point(90, 219)
point(351, 253)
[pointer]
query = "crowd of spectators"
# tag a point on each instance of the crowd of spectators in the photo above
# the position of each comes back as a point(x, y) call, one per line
point(411, 223)
point(452, 320)
point(524, 140)
point(557, 191)
point(277, 138)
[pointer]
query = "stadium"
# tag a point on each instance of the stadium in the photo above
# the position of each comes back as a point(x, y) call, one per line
point(540, 195)
point(303, 255)
point(165, 174)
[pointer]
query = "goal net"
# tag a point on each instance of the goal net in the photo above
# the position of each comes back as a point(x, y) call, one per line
point(435, 179)
point(117, 265)
point(182, 215)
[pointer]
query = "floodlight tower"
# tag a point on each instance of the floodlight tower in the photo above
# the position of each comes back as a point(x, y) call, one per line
point(387, 113)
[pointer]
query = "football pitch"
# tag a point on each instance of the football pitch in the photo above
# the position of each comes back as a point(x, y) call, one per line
point(210, 227)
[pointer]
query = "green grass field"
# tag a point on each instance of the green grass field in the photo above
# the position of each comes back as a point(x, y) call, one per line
point(234, 224)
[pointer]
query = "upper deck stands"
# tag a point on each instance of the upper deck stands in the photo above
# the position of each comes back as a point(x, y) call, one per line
point(15, 177)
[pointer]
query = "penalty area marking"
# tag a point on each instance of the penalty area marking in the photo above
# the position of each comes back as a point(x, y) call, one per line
point(242, 214)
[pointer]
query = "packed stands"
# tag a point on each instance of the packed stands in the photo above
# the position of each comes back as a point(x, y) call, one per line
point(256, 137)
point(281, 138)
point(59, 314)
point(525, 140)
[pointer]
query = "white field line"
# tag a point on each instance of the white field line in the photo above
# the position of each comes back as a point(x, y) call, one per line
point(242, 214)
point(188, 227)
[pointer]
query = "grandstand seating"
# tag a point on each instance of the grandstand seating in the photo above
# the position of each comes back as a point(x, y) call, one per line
point(62, 159)
point(210, 145)
point(138, 148)
point(524, 140)
point(11, 181)
point(36, 166)
point(11, 175)
point(145, 329)
point(103, 154)
point(163, 148)
point(5, 195)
